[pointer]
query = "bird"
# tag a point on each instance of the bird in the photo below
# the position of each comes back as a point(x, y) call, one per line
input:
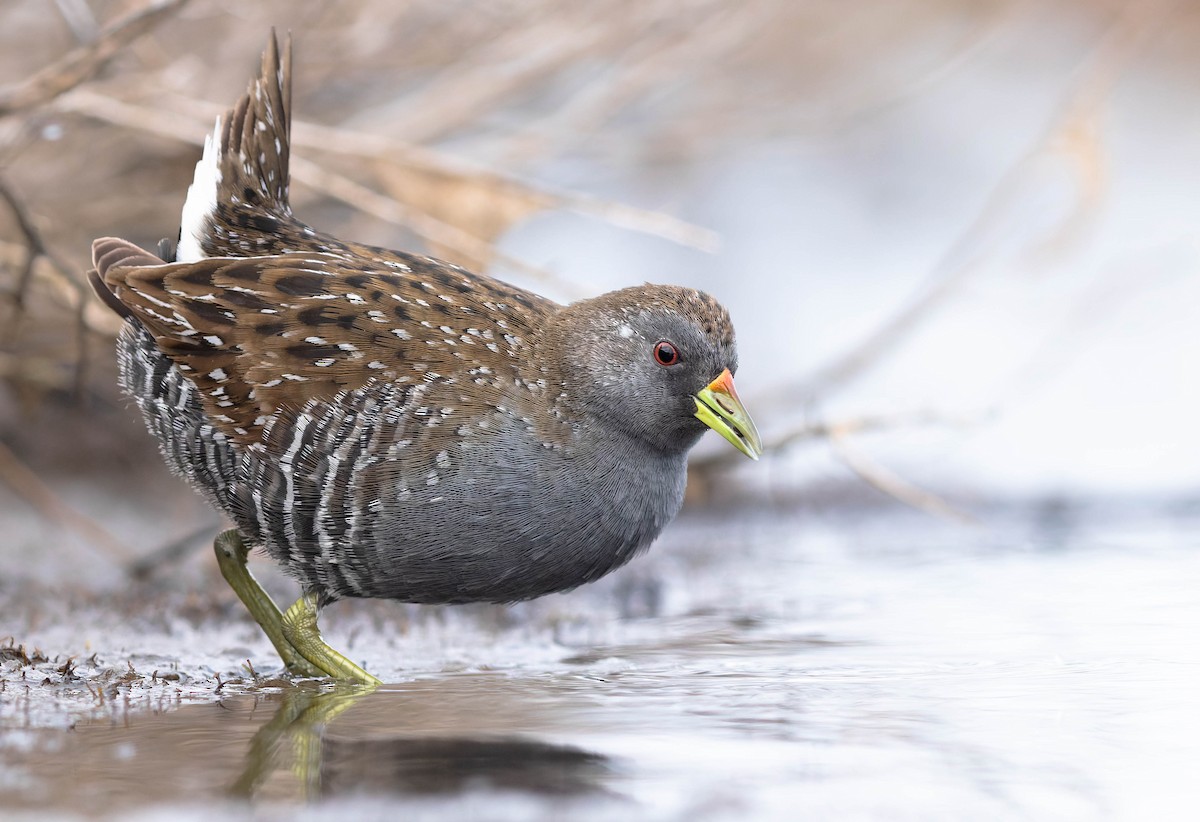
point(387, 425)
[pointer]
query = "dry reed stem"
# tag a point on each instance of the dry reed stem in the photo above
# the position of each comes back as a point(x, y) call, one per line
point(84, 62)
point(776, 444)
point(34, 248)
point(317, 177)
point(346, 142)
point(974, 41)
point(893, 484)
point(369, 201)
point(78, 15)
point(483, 79)
point(1123, 41)
point(26, 483)
point(58, 271)
point(635, 73)
point(461, 244)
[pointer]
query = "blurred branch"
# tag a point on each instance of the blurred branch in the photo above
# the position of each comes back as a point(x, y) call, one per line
point(43, 372)
point(891, 483)
point(78, 15)
point(964, 258)
point(483, 78)
point(646, 64)
point(774, 446)
point(433, 230)
point(28, 485)
point(36, 248)
point(171, 553)
point(312, 174)
point(351, 143)
point(1113, 289)
point(837, 434)
point(990, 27)
point(369, 201)
point(66, 286)
point(85, 61)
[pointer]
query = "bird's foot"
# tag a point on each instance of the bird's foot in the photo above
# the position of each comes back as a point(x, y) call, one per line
point(301, 632)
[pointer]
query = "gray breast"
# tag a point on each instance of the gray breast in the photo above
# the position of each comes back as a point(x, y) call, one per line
point(515, 521)
point(367, 502)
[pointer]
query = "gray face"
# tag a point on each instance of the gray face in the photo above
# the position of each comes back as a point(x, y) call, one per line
point(638, 366)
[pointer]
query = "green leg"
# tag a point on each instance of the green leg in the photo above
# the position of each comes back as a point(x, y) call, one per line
point(301, 631)
point(231, 557)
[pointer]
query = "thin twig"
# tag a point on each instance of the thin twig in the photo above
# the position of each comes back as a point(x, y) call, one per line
point(44, 371)
point(346, 142)
point(893, 484)
point(82, 348)
point(1120, 45)
point(774, 446)
point(37, 248)
point(376, 147)
point(33, 237)
point(27, 484)
point(330, 183)
point(34, 246)
point(79, 16)
point(990, 26)
point(174, 551)
point(430, 228)
point(646, 64)
point(85, 61)
point(483, 79)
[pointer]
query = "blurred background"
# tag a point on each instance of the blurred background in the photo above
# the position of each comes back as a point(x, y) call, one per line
point(960, 242)
point(958, 239)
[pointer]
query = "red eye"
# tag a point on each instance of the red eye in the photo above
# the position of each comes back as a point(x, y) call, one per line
point(665, 353)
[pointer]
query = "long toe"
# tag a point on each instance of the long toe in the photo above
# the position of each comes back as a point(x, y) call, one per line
point(301, 631)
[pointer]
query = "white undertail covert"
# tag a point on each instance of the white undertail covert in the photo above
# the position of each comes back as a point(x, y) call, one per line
point(201, 202)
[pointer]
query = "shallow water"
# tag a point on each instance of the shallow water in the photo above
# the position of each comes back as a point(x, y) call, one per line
point(1042, 665)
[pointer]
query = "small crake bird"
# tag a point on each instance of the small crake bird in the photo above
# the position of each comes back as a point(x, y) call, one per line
point(389, 425)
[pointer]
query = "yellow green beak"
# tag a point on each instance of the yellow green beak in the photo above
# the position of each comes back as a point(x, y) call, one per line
point(718, 407)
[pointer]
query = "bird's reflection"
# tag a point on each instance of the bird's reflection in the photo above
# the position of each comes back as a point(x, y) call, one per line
point(298, 739)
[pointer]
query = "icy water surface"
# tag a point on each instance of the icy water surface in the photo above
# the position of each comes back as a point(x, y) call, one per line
point(1043, 665)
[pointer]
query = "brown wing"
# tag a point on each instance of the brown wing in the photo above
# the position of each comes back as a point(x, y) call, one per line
point(258, 334)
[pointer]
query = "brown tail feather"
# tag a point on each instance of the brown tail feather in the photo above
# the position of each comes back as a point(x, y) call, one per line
point(257, 131)
point(109, 298)
point(108, 255)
